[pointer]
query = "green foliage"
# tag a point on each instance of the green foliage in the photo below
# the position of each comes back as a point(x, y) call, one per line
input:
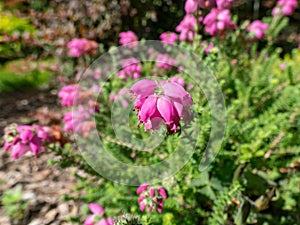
point(128, 219)
point(10, 23)
point(218, 217)
point(12, 81)
point(13, 204)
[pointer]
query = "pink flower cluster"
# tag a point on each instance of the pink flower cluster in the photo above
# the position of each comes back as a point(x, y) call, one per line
point(208, 47)
point(127, 38)
point(80, 46)
point(187, 28)
point(23, 139)
point(151, 198)
point(131, 68)
point(161, 103)
point(165, 62)
point(190, 6)
point(98, 212)
point(68, 94)
point(168, 37)
point(285, 7)
point(218, 21)
point(257, 29)
point(80, 119)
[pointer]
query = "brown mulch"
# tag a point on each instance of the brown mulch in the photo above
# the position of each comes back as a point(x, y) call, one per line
point(42, 184)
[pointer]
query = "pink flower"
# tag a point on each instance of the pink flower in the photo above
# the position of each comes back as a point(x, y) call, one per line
point(80, 46)
point(108, 221)
point(152, 192)
point(224, 4)
point(68, 94)
point(97, 210)
point(208, 47)
point(79, 121)
point(282, 66)
point(257, 29)
point(23, 139)
point(178, 80)
point(77, 46)
point(127, 38)
point(190, 6)
point(285, 7)
point(152, 198)
point(142, 188)
point(187, 28)
point(131, 68)
point(165, 62)
point(162, 192)
point(168, 106)
point(168, 37)
point(142, 207)
point(217, 22)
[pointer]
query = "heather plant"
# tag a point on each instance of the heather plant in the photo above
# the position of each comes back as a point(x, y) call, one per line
point(146, 105)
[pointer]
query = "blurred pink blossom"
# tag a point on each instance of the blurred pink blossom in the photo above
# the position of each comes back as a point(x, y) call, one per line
point(282, 66)
point(218, 21)
point(257, 29)
point(187, 28)
point(178, 80)
point(80, 46)
point(208, 47)
point(127, 38)
point(165, 62)
point(285, 7)
point(190, 6)
point(68, 94)
point(80, 120)
point(97, 211)
point(108, 221)
point(131, 68)
point(168, 37)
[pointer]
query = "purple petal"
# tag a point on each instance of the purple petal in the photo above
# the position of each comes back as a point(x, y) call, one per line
point(141, 198)
point(179, 108)
point(103, 222)
point(152, 192)
point(96, 208)
point(89, 220)
point(142, 207)
point(7, 146)
point(143, 88)
point(162, 192)
point(35, 145)
point(110, 221)
point(174, 90)
point(166, 109)
point(19, 150)
point(148, 108)
point(142, 188)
